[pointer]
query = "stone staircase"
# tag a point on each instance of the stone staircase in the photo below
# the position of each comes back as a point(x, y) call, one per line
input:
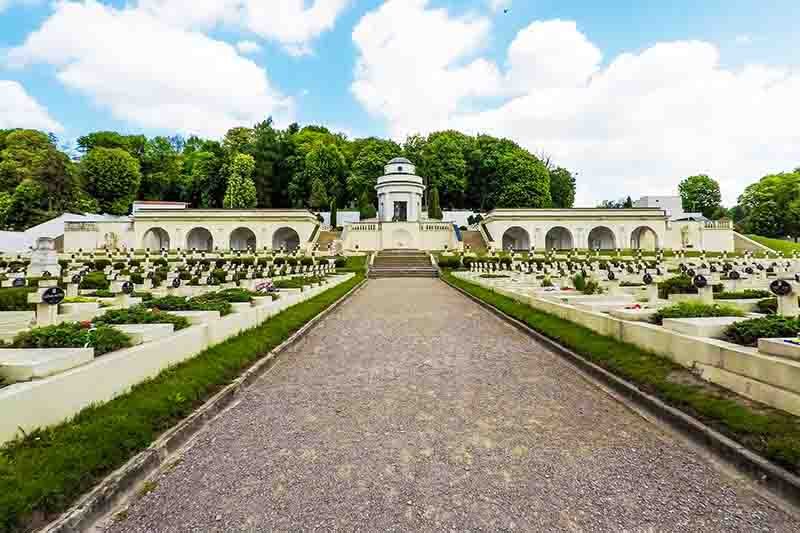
point(402, 264)
point(327, 237)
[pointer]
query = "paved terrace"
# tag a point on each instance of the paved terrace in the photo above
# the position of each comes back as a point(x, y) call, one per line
point(412, 408)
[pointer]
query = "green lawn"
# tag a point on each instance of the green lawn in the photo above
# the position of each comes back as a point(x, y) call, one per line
point(49, 469)
point(771, 433)
point(779, 245)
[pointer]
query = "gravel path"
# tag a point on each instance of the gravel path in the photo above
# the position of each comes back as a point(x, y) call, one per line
point(412, 408)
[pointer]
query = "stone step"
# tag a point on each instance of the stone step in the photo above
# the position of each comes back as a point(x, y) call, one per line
point(141, 333)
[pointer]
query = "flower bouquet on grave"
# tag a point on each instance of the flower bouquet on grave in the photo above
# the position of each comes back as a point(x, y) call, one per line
point(266, 287)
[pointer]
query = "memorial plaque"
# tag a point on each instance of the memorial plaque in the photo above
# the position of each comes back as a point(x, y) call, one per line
point(53, 295)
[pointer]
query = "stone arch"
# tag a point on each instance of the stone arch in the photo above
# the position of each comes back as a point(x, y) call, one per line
point(644, 237)
point(155, 239)
point(602, 238)
point(242, 239)
point(199, 239)
point(401, 238)
point(559, 238)
point(285, 237)
point(517, 238)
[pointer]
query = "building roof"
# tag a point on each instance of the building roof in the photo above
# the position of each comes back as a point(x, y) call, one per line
point(397, 160)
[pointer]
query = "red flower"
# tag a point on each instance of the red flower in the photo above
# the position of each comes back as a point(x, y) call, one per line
point(86, 324)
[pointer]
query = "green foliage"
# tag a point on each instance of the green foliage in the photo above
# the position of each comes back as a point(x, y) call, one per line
point(368, 166)
point(743, 295)
point(206, 302)
point(525, 181)
point(434, 211)
point(16, 299)
point(139, 314)
point(237, 295)
point(241, 192)
point(586, 286)
point(112, 177)
point(319, 196)
point(767, 306)
point(771, 206)
point(333, 214)
point(748, 332)
point(700, 194)
point(695, 310)
point(562, 187)
point(94, 280)
point(77, 454)
point(769, 432)
point(680, 284)
point(103, 339)
point(449, 261)
point(366, 208)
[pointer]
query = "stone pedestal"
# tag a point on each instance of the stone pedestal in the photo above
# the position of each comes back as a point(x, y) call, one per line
point(44, 258)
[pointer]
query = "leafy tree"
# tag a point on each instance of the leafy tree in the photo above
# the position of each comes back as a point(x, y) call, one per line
point(238, 140)
point(562, 187)
point(323, 162)
point(133, 144)
point(27, 205)
point(112, 177)
point(319, 196)
point(333, 214)
point(208, 180)
point(700, 194)
point(628, 203)
point(525, 181)
point(241, 191)
point(434, 211)
point(366, 208)
point(368, 166)
point(772, 205)
point(444, 166)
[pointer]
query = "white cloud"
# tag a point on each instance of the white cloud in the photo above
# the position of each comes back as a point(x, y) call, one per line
point(151, 74)
point(415, 66)
point(19, 110)
point(635, 126)
point(288, 22)
point(248, 47)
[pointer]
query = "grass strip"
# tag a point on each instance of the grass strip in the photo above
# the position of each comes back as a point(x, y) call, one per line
point(47, 470)
point(769, 432)
point(779, 245)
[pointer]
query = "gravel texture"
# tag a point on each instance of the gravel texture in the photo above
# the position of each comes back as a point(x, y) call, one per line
point(412, 408)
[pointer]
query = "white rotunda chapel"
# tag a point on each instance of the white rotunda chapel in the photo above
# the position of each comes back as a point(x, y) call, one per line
point(399, 192)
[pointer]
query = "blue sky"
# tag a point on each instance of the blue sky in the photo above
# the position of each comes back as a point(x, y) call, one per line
point(631, 94)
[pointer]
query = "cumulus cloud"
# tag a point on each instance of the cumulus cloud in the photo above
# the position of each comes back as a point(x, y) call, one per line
point(248, 47)
point(19, 110)
point(288, 22)
point(632, 127)
point(150, 73)
point(416, 65)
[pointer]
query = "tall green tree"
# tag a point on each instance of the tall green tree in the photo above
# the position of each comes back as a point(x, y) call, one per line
point(434, 211)
point(366, 208)
point(319, 196)
point(525, 181)
point(334, 222)
point(241, 191)
point(562, 187)
point(112, 177)
point(323, 162)
point(700, 194)
point(444, 166)
point(368, 166)
point(771, 206)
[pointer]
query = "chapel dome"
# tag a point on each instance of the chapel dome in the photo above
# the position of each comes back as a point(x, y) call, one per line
point(399, 165)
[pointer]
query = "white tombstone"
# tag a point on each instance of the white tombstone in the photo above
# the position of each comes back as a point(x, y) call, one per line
point(44, 258)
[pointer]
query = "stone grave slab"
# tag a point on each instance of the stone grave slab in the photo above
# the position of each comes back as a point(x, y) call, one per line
point(23, 364)
point(781, 347)
point(141, 333)
point(712, 327)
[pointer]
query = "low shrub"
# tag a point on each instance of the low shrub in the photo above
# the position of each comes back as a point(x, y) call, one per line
point(695, 310)
point(306, 261)
point(278, 261)
point(237, 295)
point(494, 276)
point(767, 306)
point(682, 284)
point(743, 295)
point(747, 332)
point(103, 339)
point(16, 299)
point(340, 262)
point(168, 303)
point(586, 286)
point(101, 264)
point(102, 293)
point(210, 302)
point(139, 314)
point(138, 279)
point(291, 261)
point(449, 262)
point(119, 265)
point(94, 280)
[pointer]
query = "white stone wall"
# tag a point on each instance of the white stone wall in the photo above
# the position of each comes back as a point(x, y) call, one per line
point(374, 236)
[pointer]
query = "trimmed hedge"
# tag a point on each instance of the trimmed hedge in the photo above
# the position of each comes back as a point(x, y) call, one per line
point(743, 295)
point(16, 299)
point(139, 314)
point(95, 280)
point(747, 332)
point(103, 339)
point(695, 310)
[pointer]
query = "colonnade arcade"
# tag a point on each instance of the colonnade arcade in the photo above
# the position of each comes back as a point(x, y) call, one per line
point(202, 239)
point(597, 238)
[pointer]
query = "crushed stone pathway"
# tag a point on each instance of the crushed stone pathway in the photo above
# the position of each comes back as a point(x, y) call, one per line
point(411, 408)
